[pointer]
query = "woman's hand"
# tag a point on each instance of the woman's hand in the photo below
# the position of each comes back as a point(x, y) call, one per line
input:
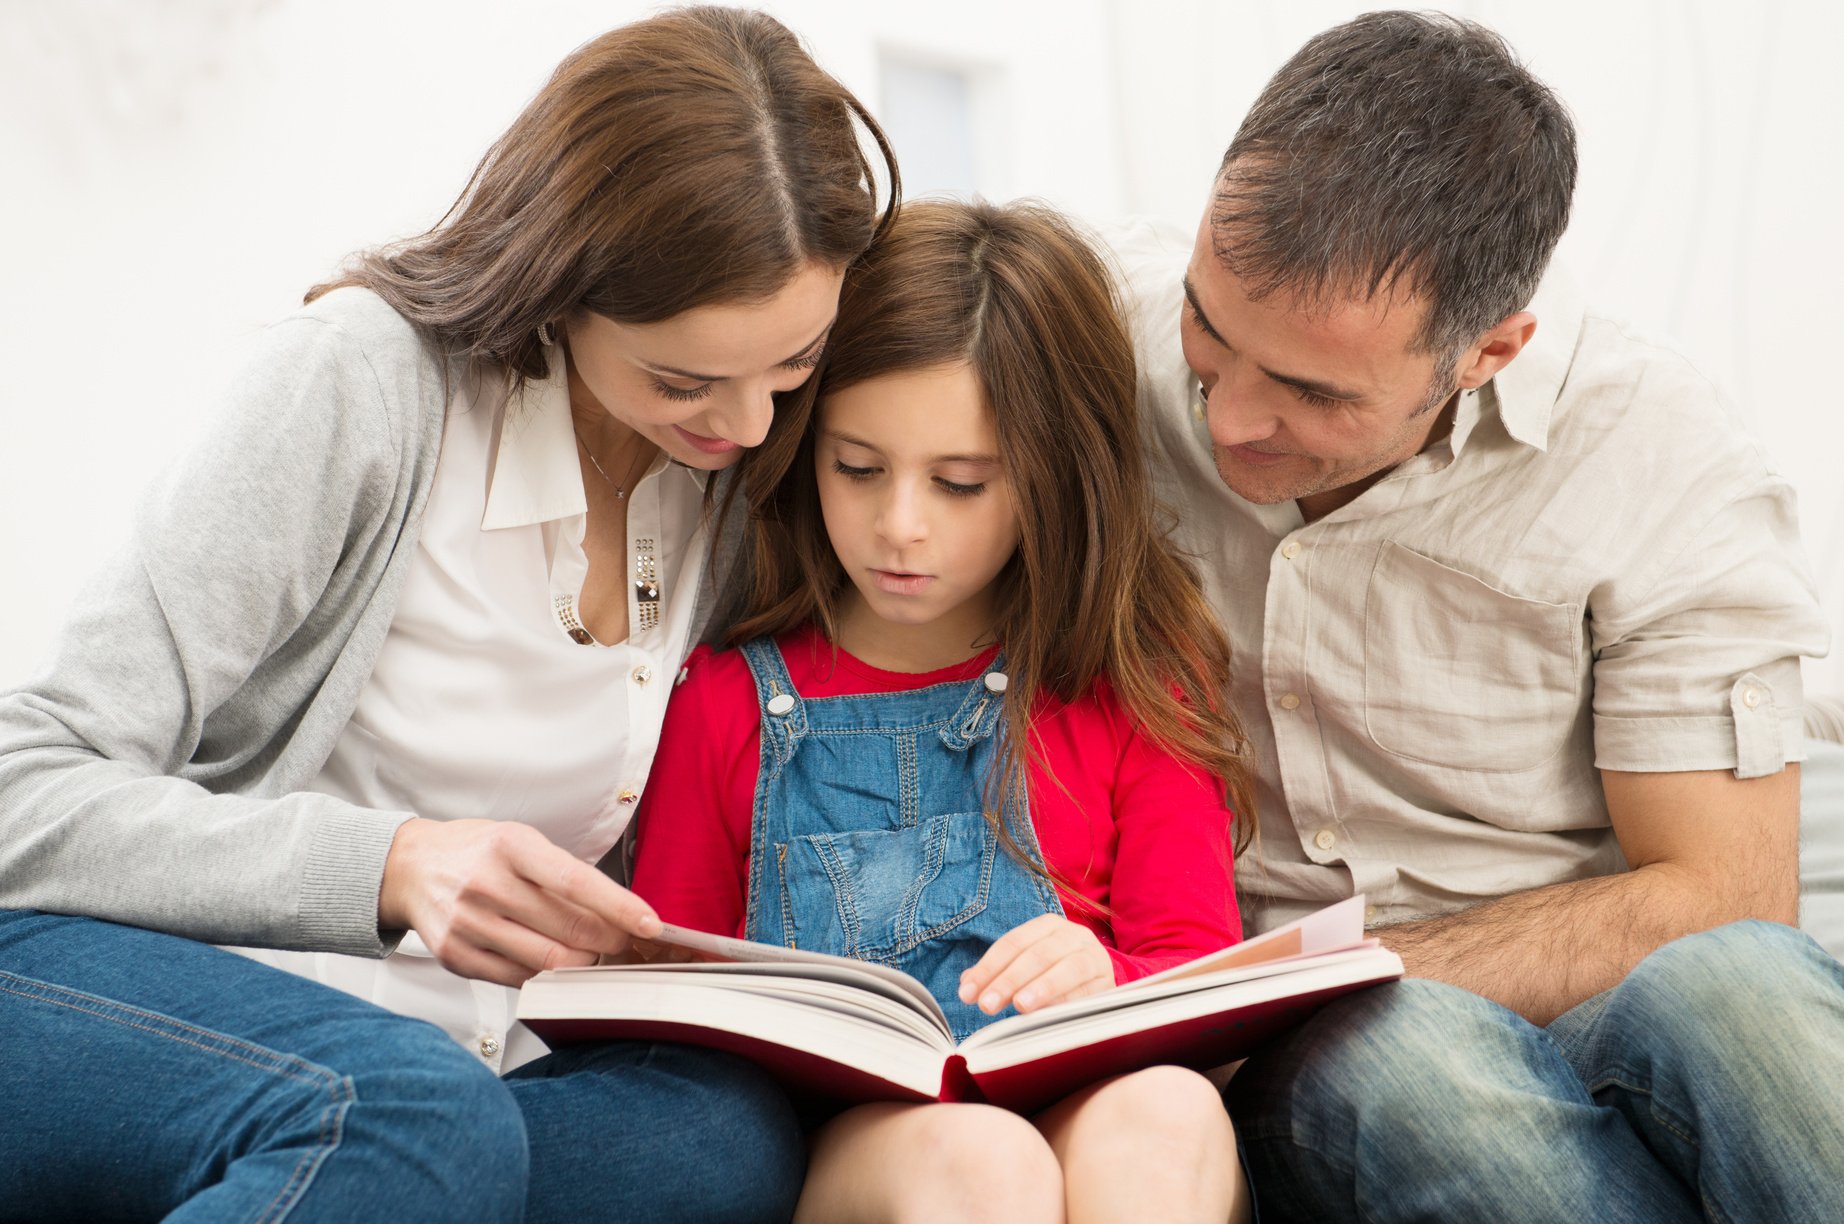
point(496, 900)
point(1047, 960)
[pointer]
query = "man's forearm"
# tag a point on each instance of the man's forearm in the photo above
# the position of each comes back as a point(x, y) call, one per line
point(1706, 848)
point(1541, 952)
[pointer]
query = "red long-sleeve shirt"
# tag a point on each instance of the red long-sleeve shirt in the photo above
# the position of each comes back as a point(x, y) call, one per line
point(1137, 832)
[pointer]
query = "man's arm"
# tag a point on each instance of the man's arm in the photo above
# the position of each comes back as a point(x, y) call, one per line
point(1703, 849)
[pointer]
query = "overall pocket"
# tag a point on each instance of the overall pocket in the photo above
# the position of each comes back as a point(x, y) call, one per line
point(879, 893)
point(1458, 673)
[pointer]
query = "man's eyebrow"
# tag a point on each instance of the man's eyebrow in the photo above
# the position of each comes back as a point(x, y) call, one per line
point(849, 440)
point(1197, 312)
point(1311, 386)
point(678, 373)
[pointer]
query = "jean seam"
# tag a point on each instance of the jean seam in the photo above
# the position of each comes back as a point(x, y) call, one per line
point(1661, 1115)
point(1669, 1122)
point(221, 1045)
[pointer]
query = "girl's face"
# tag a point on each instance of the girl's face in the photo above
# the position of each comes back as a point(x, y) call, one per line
point(701, 384)
point(916, 501)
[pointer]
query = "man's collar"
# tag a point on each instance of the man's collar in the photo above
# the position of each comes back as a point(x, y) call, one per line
point(1524, 393)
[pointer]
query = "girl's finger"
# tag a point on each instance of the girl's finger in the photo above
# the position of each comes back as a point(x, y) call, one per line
point(1030, 963)
point(1003, 951)
point(1072, 977)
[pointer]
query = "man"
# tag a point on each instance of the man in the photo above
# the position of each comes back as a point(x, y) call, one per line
point(1517, 615)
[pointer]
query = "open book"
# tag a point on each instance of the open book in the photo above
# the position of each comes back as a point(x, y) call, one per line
point(857, 1031)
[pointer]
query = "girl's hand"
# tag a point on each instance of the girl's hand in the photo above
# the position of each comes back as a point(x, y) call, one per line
point(1047, 960)
point(496, 900)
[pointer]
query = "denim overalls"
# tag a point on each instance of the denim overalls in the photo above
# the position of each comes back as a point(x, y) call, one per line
point(869, 838)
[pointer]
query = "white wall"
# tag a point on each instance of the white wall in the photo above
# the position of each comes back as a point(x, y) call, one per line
point(174, 175)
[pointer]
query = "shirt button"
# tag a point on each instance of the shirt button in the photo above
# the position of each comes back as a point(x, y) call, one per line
point(642, 674)
point(1290, 549)
point(780, 704)
point(581, 637)
point(628, 798)
point(1290, 702)
point(1751, 698)
point(996, 682)
point(1325, 839)
point(489, 1046)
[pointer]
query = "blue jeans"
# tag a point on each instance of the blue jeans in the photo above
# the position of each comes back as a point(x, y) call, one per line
point(148, 1076)
point(1705, 1085)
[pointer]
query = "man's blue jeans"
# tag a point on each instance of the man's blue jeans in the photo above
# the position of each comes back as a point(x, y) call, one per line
point(1708, 1084)
point(147, 1076)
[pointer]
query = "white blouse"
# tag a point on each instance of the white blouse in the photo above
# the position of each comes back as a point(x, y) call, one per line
point(490, 700)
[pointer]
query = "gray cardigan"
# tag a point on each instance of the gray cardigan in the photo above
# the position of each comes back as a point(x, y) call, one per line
point(153, 774)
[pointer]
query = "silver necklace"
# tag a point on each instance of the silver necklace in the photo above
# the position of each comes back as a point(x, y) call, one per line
point(620, 491)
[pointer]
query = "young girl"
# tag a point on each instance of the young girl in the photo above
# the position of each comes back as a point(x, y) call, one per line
point(954, 543)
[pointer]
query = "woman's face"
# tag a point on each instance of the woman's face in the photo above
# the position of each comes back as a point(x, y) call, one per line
point(702, 383)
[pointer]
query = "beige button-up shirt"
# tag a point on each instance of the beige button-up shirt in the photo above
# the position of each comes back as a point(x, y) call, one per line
point(1596, 570)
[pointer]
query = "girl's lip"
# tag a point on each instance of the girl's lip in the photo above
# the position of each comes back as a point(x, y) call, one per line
point(710, 446)
point(896, 583)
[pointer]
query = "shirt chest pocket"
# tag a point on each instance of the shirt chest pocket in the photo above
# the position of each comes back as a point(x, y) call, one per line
point(1460, 674)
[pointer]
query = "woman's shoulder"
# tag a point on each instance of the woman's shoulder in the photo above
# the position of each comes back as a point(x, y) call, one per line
point(362, 316)
point(351, 348)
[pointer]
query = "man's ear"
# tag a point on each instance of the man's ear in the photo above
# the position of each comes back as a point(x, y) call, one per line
point(1494, 350)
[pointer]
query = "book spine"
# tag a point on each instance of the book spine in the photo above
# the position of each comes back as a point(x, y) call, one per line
point(956, 1083)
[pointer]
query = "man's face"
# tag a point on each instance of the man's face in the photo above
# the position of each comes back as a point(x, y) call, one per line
point(1306, 404)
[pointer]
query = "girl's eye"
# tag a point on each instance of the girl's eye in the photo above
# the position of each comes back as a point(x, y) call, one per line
point(852, 473)
point(680, 394)
point(807, 361)
point(960, 490)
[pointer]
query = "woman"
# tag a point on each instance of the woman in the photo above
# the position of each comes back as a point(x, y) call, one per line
point(386, 660)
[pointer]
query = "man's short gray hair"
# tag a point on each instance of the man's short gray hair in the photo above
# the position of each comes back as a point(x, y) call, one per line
point(1400, 151)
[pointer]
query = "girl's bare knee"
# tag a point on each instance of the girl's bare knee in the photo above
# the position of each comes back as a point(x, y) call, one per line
point(1162, 1103)
point(985, 1163)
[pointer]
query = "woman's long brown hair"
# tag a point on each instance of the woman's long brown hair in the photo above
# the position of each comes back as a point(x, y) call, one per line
point(696, 157)
point(1094, 591)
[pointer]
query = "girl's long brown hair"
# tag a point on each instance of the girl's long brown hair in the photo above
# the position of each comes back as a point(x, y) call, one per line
point(1095, 590)
point(696, 157)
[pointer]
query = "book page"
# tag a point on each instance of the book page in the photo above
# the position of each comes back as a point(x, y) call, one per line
point(1339, 925)
point(892, 983)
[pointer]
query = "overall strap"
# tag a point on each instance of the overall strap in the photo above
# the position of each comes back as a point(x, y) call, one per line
point(784, 714)
point(979, 712)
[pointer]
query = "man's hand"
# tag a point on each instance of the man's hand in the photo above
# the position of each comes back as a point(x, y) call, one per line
point(1047, 960)
point(495, 900)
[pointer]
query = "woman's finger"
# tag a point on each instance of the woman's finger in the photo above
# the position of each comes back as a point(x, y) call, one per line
point(563, 875)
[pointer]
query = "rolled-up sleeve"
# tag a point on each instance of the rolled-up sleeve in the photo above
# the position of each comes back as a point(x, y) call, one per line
point(1697, 660)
